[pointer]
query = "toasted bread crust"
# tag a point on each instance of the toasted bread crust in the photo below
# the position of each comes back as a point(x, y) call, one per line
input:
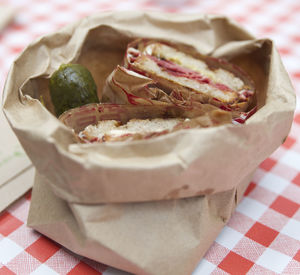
point(206, 79)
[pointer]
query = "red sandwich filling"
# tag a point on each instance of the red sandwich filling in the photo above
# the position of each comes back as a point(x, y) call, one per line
point(177, 70)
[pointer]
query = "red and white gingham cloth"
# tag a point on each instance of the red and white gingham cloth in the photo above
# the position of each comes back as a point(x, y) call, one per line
point(263, 235)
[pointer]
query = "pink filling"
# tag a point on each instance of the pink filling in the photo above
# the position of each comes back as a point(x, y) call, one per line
point(244, 116)
point(179, 71)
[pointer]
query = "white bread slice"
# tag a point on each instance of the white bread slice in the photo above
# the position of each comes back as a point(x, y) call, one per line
point(154, 71)
point(220, 75)
point(201, 78)
point(111, 130)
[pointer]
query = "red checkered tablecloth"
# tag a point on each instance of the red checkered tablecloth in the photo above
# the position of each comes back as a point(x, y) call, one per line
point(263, 235)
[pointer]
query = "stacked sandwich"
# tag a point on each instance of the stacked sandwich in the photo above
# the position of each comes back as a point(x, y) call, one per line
point(161, 88)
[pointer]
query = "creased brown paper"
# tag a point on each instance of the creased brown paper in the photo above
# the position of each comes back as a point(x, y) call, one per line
point(149, 238)
point(181, 164)
point(207, 167)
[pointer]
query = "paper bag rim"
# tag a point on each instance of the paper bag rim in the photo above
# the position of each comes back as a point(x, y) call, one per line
point(64, 184)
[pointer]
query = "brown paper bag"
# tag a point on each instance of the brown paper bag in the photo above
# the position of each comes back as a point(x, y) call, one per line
point(178, 165)
point(149, 238)
point(74, 179)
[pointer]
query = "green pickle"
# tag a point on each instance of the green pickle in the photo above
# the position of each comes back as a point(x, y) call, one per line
point(72, 85)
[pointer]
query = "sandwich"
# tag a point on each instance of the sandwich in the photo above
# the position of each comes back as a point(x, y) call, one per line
point(119, 122)
point(160, 89)
point(155, 72)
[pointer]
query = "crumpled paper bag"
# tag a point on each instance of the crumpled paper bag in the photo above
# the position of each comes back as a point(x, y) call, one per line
point(181, 164)
point(147, 238)
point(207, 167)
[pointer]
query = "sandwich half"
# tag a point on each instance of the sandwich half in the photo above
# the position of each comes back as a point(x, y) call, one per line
point(115, 122)
point(155, 72)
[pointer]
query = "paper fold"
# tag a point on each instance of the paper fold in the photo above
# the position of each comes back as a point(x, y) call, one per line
point(149, 238)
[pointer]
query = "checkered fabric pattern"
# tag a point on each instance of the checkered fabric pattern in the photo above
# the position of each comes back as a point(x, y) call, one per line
point(263, 235)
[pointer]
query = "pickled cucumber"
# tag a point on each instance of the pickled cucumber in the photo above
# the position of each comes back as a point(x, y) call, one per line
point(72, 85)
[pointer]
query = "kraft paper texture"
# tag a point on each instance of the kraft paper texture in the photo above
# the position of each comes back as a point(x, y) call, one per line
point(157, 238)
point(148, 206)
point(181, 164)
